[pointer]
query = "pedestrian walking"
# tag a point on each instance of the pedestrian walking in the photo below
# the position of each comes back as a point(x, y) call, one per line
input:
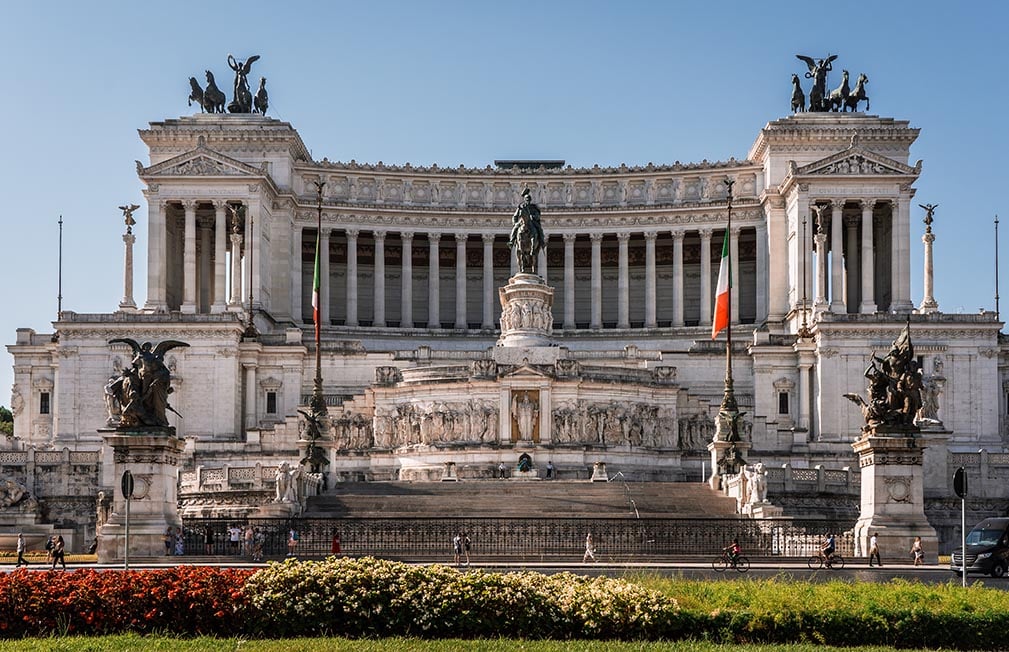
point(247, 540)
point(590, 549)
point(874, 550)
point(58, 552)
point(21, 551)
point(917, 552)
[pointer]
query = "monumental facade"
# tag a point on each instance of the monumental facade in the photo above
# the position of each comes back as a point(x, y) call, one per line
point(413, 269)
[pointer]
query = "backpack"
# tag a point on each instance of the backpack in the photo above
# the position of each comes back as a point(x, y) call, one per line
point(49, 545)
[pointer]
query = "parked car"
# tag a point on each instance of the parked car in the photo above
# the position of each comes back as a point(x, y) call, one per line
point(987, 549)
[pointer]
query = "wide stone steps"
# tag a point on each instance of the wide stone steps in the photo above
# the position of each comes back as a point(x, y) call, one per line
point(514, 498)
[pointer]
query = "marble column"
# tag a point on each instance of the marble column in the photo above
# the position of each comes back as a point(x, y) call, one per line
point(569, 281)
point(868, 304)
point(325, 319)
point(221, 254)
point(189, 259)
point(379, 286)
point(204, 277)
point(804, 372)
point(297, 238)
point(706, 277)
point(763, 304)
point(650, 318)
point(597, 280)
point(928, 302)
point(235, 303)
point(128, 304)
point(352, 319)
point(820, 302)
point(837, 257)
point(252, 242)
point(734, 272)
point(678, 278)
point(623, 282)
point(488, 281)
point(460, 280)
point(851, 279)
point(157, 238)
point(406, 278)
point(901, 273)
point(541, 264)
point(433, 282)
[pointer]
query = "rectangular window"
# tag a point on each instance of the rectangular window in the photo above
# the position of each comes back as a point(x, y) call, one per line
point(782, 402)
point(44, 403)
point(271, 402)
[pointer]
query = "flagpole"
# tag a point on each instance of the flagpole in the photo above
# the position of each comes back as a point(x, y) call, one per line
point(729, 408)
point(318, 402)
point(996, 268)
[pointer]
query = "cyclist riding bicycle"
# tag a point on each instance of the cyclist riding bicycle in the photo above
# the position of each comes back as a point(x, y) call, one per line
point(733, 550)
point(827, 549)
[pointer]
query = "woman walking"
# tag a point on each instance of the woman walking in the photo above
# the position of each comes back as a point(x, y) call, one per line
point(58, 552)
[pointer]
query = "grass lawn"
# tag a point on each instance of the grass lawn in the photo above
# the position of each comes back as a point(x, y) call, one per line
point(136, 643)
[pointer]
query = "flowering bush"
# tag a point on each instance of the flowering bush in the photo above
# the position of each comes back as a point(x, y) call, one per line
point(369, 597)
point(183, 600)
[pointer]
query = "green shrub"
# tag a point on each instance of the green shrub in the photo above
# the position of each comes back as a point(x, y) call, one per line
point(370, 597)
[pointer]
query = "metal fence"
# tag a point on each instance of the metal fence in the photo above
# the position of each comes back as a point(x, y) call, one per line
point(532, 539)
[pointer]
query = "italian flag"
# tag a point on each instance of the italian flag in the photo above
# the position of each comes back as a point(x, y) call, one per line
point(721, 319)
point(315, 287)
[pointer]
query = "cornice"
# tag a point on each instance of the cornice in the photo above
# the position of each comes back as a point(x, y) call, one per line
point(353, 166)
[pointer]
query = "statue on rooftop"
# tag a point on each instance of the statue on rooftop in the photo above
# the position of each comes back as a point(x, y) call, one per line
point(242, 102)
point(818, 69)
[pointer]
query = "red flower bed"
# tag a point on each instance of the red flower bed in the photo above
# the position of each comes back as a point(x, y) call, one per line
point(184, 600)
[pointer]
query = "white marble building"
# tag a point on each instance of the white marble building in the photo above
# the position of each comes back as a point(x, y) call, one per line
point(822, 249)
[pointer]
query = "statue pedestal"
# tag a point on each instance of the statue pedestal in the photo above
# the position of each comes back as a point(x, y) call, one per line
point(526, 312)
point(599, 472)
point(762, 510)
point(721, 452)
point(151, 455)
point(893, 502)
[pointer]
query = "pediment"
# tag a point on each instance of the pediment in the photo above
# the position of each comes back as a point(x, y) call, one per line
point(528, 371)
point(856, 161)
point(199, 162)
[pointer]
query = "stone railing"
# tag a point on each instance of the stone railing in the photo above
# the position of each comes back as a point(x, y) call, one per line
point(47, 473)
point(257, 477)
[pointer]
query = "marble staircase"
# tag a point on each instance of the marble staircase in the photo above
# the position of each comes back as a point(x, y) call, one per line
point(510, 498)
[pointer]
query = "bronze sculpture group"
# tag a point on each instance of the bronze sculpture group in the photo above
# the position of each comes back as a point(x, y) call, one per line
point(212, 99)
point(842, 98)
point(894, 389)
point(138, 396)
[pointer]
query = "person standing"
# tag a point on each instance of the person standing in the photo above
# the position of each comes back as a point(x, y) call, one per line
point(21, 551)
point(234, 538)
point(550, 470)
point(180, 542)
point(467, 543)
point(58, 552)
point(247, 537)
point(292, 542)
point(917, 552)
point(169, 541)
point(334, 546)
point(874, 550)
point(457, 549)
point(257, 546)
point(208, 540)
point(590, 549)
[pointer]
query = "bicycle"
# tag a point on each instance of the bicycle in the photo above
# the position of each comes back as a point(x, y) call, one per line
point(817, 562)
point(741, 564)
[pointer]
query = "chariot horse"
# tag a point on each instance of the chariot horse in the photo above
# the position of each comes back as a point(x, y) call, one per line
point(858, 94)
point(213, 97)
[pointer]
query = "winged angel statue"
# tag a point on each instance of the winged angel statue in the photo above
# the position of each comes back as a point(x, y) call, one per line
point(141, 390)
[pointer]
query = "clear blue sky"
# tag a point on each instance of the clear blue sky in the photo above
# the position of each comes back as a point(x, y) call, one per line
point(467, 82)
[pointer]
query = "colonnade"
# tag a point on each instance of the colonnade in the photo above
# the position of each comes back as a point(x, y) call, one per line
point(200, 284)
point(574, 295)
point(861, 248)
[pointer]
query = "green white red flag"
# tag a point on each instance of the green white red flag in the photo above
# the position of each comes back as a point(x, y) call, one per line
point(721, 320)
point(315, 288)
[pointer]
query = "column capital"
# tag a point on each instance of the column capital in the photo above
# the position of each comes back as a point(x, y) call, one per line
point(189, 204)
point(379, 235)
point(461, 238)
point(735, 231)
point(205, 222)
point(650, 236)
point(866, 203)
point(488, 238)
point(220, 204)
point(678, 235)
point(623, 237)
point(851, 221)
point(353, 233)
point(434, 237)
point(596, 238)
point(406, 235)
point(705, 234)
point(570, 238)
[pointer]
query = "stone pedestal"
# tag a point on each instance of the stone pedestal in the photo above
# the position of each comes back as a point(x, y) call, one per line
point(893, 503)
point(151, 455)
point(599, 472)
point(526, 312)
point(448, 472)
point(724, 451)
point(762, 510)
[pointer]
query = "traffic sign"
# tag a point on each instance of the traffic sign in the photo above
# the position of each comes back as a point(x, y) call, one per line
point(127, 485)
point(960, 482)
